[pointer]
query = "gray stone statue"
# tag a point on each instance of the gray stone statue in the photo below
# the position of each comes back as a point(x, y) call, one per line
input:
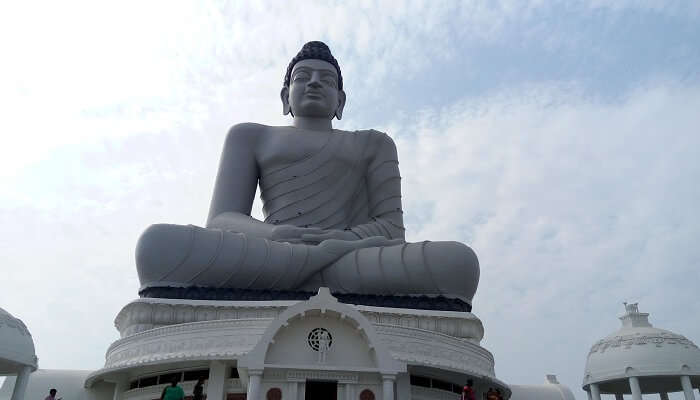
point(332, 206)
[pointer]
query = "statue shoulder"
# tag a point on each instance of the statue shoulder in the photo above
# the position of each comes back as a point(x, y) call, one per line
point(248, 128)
point(246, 133)
point(378, 138)
point(381, 143)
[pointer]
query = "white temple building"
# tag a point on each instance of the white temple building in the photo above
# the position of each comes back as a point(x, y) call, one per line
point(322, 349)
point(315, 349)
point(17, 355)
point(641, 359)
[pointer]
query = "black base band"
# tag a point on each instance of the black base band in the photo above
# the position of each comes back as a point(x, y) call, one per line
point(439, 303)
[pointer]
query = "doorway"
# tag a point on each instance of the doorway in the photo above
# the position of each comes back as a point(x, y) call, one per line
point(321, 390)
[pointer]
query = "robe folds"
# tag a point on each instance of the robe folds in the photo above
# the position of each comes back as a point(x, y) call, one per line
point(352, 182)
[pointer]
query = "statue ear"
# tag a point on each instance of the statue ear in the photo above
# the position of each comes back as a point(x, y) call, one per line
point(341, 105)
point(284, 95)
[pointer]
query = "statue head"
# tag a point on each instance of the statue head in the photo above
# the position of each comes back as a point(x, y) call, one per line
point(313, 84)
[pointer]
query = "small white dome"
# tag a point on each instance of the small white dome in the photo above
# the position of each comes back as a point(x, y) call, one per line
point(16, 345)
point(551, 390)
point(639, 349)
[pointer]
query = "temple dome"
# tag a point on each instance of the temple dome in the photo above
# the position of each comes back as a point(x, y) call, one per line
point(16, 345)
point(639, 349)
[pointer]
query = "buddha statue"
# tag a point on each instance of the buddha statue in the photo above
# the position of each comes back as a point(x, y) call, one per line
point(332, 207)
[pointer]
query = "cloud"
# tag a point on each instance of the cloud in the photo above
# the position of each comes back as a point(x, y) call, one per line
point(573, 206)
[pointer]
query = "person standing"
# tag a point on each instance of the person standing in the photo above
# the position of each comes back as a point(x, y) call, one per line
point(468, 391)
point(492, 394)
point(173, 392)
point(52, 395)
point(198, 392)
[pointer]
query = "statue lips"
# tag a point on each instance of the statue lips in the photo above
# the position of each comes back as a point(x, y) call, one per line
point(314, 95)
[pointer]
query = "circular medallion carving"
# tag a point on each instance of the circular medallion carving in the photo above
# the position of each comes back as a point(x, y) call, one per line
point(320, 339)
point(366, 395)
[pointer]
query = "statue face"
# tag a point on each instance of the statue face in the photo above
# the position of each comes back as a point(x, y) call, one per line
point(313, 90)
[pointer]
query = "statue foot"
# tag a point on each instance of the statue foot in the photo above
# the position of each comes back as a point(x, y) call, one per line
point(182, 256)
point(448, 269)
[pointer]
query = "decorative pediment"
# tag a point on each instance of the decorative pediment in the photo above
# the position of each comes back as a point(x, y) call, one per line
point(321, 333)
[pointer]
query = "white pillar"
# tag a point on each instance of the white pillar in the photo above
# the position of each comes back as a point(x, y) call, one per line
point(687, 388)
point(254, 382)
point(292, 391)
point(349, 391)
point(21, 383)
point(618, 396)
point(663, 396)
point(403, 386)
point(588, 392)
point(388, 387)
point(634, 387)
point(216, 384)
point(595, 392)
point(119, 389)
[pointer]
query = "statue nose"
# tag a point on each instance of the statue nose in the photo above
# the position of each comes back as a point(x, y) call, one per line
point(315, 80)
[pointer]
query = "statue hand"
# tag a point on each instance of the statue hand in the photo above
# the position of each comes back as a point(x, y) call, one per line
point(292, 234)
point(339, 248)
point(329, 234)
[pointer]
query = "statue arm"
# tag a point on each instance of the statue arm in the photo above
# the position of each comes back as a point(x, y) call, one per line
point(384, 188)
point(236, 183)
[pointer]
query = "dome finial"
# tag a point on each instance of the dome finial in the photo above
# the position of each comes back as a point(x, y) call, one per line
point(633, 317)
point(631, 308)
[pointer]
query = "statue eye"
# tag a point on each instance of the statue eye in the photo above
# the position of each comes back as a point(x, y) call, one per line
point(301, 76)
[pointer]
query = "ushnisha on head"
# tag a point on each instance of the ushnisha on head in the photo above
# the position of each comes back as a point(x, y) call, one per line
point(313, 84)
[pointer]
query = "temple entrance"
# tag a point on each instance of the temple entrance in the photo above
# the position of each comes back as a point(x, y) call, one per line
point(321, 390)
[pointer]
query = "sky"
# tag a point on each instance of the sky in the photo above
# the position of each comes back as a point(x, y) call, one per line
point(559, 139)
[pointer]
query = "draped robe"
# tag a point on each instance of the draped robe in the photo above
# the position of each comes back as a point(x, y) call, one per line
point(351, 183)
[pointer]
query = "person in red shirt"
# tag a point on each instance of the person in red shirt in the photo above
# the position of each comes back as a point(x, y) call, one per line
point(468, 391)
